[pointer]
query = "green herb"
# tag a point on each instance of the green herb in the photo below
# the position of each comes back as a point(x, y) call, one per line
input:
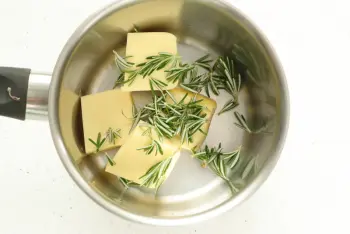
point(126, 183)
point(218, 161)
point(156, 175)
point(157, 62)
point(176, 72)
point(155, 145)
point(195, 82)
point(98, 143)
point(230, 82)
point(120, 80)
point(135, 28)
point(121, 63)
point(204, 62)
point(221, 76)
point(231, 158)
point(229, 105)
point(112, 135)
point(158, 84)
point(242, 123)
point(171, 119)
point(179, 73)
point(110, 160)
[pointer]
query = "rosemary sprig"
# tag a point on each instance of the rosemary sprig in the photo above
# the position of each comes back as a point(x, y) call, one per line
point(99, 142)
point(204, 62)
point(230, 82)
point(112, 135)
point(218, 161)
point(110, 160)
point(156, 175)
point(158, 84)
point(221, 76)
point(179, 73)
point(242, 123)
point(155, 145)
point(229, 105)
point(195, 82)
point(121, 62)
point(231, 158)
point(171, 119)
point(152, 64)
point(157, 62)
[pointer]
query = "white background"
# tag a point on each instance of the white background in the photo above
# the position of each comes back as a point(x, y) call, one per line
point(308, 192)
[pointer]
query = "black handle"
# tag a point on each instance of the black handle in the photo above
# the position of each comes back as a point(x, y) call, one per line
point(13, 92)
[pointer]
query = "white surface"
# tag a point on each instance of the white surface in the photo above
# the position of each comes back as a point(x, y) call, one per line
point(309, 191)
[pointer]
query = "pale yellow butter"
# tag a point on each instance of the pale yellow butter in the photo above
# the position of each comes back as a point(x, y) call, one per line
point(142, 45)
point(210, 107)
point(131, 163)
point(103, 110)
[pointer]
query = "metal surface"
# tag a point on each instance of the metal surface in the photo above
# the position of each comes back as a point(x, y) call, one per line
point(191, 193)
point(37, 96)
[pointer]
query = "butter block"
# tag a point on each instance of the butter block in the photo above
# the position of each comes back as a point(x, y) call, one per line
point(131, 163)
point(210, 107)
point(142, 45)
point(102, 111)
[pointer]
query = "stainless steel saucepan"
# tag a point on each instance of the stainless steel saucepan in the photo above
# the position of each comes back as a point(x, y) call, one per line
point(86, 65)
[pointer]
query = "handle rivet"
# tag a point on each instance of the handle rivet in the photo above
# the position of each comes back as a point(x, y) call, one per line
point(14, 98)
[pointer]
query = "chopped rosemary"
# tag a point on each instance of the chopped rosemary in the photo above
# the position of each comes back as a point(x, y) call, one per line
point(156, 175)
point(177, 118)
point(112, 135)
point(242, 124)
point(98, 143)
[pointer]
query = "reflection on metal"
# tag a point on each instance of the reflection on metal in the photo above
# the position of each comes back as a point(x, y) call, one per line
point(37, 96)
point(14, 98)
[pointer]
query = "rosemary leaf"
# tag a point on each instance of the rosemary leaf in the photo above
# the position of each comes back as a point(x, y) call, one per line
point(242, 123)
point(112, 135)
point(153, 146)
point(218, 161)
point(231, 104)
point(126, 183)
point(98, 143)
point(179, 73)
point(110, 160)
point(122, 63)
point(156, 174)
point(232, 157)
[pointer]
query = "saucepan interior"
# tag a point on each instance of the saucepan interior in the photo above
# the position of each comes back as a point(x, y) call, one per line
point(87, 66)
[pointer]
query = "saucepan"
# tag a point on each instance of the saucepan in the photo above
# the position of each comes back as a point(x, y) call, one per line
point(86, 65)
